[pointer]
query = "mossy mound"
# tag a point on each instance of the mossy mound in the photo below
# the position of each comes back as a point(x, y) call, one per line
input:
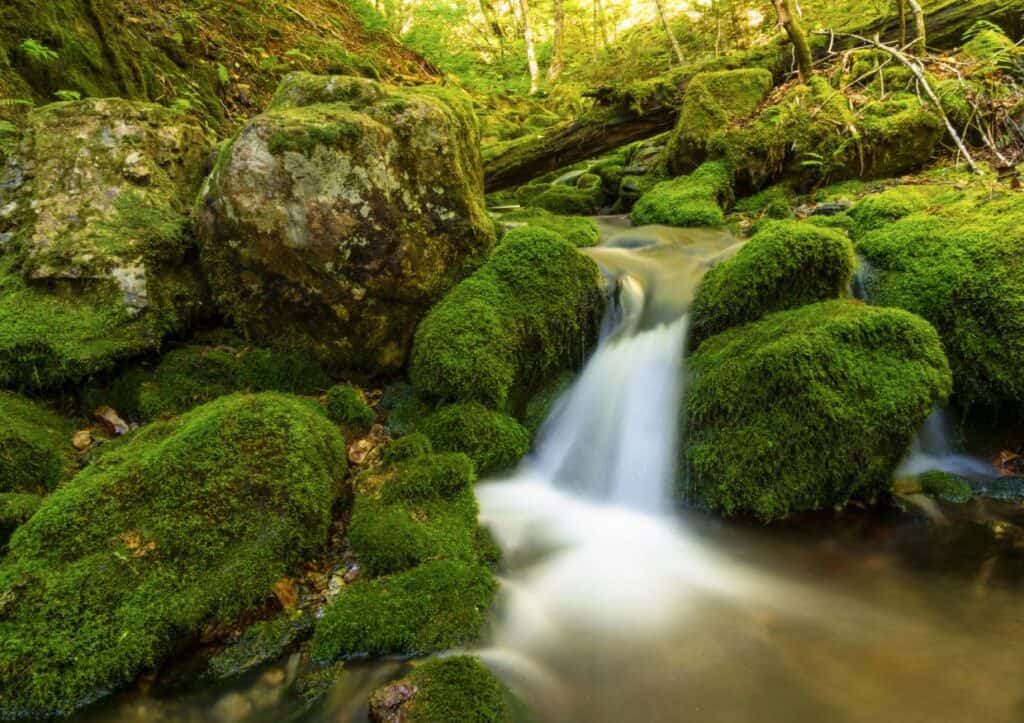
point(569, 200)
point(35, 446)
point(457, 688)
point(694, 200)
point(492, 440)
point(955, 260)
point(809, 408)
point(16, 508)
point(439, 605)
point(260, 643)
point(580, 232)
point(712, 102)
point(347, 406)
point(774, 202)
point(786, 264)
point(198, 373)
point(946, 487)
point(407, 447)
point(532, 310)
point(417, 510)
point(190, 522)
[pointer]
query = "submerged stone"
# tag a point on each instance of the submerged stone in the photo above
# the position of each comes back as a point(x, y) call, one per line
point(188, 522)
point(337, 218)
point(809, 408)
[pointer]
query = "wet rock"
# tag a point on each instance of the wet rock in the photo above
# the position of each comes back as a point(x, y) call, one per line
point(1005, 489)
point(390, 704)
point(337, 218)
point(232, 708)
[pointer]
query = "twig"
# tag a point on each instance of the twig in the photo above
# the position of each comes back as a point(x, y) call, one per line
point(917, 69)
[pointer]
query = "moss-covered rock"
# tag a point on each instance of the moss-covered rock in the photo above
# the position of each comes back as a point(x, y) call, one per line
point(809, 408)
point(953, 256)
point(190, 522)
point(457, 688)
point(712, 102)
point(580, 232)
point(531, 311)
point(569, 200)
point(198, 373)
point(35, 446)
point(407, 447)
point(16, 508)
point(336, 219)
point(694, 200)
point(786, 264)
point(347, 406)
point(260, 643)
point(97, 263)
point(439, 605)
point(946, 487)
point(492, 440)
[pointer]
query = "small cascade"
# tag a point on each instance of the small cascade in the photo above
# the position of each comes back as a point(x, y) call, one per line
point(933, 451)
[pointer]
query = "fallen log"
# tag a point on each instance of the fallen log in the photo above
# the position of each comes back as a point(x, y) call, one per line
point(645, 109)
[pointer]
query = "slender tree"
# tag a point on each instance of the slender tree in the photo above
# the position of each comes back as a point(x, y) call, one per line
point(557, 42)
point(921, 42)
point(668, 31)
point(491, 16)
point(600, 31)
point(531, 49)
point(903, 23)
point(790, 21)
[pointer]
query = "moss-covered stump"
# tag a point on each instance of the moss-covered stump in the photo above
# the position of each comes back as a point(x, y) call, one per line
point(188, 523)
point(954, 257)
point(336, 219)
point(531, 311)
point(694, 200)
point(786, 264)
point(713, 101)
point(198, 373)
point(579, 231)
point(451, 689)
point(35, 446)
point(97, 263)
point(492, 440)
point(809, 408)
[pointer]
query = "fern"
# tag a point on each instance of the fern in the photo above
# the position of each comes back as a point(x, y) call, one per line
point(38, 52)
point(68, 95)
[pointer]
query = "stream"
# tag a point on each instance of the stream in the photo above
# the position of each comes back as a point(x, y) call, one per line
point(616, 605)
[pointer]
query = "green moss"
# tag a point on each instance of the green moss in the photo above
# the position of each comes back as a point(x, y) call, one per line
point(569, 200)
point(809, 408)
point(713, 101)
point(539, 408)
point(15, 509)
point(774, 202)
point(436, 606)
point(957, 263)
point(898, 135)
point(189, 523)
point(694, 200)
point(532, 310)
point(347, 406)
point(35, 446)
point(407, 447)
point(580, 232)
point(457, 688)
point(787, 264)
point(198, 373)
point(261, 643)
point(989, 47)
point(946, 487)
point(493, 441)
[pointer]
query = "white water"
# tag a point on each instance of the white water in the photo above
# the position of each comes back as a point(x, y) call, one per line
point(933, 450)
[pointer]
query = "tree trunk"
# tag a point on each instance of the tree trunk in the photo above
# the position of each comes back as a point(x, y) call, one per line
point(599, 27)
point(668, 31)
point(790, 22)
point(491, 16)
point(921, 41)
point(531, 50)
point(903, 23)
point(557, 42)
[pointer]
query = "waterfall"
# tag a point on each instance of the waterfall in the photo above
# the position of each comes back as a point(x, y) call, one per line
point(933, 451)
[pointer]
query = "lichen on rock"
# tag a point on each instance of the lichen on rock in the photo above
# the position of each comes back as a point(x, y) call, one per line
point(337, 218)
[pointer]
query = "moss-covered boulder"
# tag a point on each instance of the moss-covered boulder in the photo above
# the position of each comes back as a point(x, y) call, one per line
point(337, 218)
point(581, 232)
point(190, 522)
point(954, 257)
point(35, 446)
point(694, 200)
point(786, 264)
point(492, 440)
point(457, 688)
point(96, 262)
point(200, 372)
point(712, 102)
point(531, 311)
point(808, 408)
point(348, 407)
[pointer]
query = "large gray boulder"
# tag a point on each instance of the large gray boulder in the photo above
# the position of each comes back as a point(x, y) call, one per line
point(338, 217)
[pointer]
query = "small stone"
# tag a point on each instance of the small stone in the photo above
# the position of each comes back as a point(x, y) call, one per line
point(82, 440)
point(352, 574)
point(387, 704)
point(286, 593)
point(112, 421)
